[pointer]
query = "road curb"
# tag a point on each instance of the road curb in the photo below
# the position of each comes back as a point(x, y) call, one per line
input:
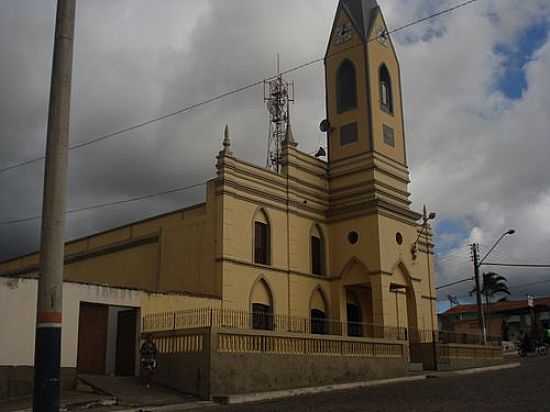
point(474, 370)
point(166, 408)
point(77, 405)
point(171, 408)
point(290, 393)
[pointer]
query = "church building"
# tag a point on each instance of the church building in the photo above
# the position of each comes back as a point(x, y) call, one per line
point(327, 251)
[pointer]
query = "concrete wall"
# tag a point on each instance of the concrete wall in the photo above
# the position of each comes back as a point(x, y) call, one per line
point(234, 373)
point(230, 361)
point(17, 381)
point(456, 356)
point(187, 372)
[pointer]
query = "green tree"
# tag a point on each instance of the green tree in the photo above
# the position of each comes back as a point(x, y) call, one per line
point(493, 285)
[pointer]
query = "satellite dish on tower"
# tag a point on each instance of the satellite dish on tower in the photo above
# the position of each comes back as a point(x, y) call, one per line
point(324, 126)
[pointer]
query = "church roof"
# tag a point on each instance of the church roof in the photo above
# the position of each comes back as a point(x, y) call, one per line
point(361, 13)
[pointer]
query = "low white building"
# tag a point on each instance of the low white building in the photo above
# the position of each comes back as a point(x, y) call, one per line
point(101, 329)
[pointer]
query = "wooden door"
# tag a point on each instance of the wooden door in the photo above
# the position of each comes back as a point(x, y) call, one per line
point(355, 328)
point(126, 343)
point(92, 338)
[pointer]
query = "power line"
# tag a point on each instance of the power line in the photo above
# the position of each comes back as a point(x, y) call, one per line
point(514, 288)
point(238, 90)
point(457, 254)
point(117, 202)
point(523, 286)
point(514, 265)
point(458, 282)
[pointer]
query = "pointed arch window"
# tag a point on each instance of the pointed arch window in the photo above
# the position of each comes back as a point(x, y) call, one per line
point(346, 87)
point(317, 251)
point(386, 96)
point(262, 239)
point(261, 303)
point(318, 313)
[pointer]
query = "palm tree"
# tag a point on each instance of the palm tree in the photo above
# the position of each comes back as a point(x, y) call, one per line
point(493, 285)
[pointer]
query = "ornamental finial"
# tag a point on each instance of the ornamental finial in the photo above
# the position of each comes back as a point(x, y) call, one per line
point(226, 141)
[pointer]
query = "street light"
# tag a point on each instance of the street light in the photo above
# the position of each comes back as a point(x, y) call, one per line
point(477, 264)
point(424, 231)
point(509, 232)
point(425, 219)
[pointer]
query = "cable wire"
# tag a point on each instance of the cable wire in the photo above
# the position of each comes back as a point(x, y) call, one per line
point(238, 90)
point(102, 205)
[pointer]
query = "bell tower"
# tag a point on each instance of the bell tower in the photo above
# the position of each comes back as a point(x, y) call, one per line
point(363, 85)
point(366, 137)
point(372, 228)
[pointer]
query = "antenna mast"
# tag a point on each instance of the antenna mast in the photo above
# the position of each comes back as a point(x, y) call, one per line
point(277, 94)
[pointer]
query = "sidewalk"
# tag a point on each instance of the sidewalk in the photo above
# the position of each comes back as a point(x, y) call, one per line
point(136, 399)
point(69, 400)
point(107, 393)
point(129, 391)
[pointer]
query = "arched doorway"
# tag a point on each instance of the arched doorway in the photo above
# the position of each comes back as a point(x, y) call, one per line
point(354, 317)
point(357, 297)
point(261, 305)
point(405, 301)
point(318, 313)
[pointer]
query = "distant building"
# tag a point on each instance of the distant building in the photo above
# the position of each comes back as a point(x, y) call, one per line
point(509, 319)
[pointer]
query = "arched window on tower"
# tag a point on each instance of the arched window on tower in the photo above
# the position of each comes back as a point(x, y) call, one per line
point(346, 87)
point(317, 251)
point(262, 239)
point(386, 97)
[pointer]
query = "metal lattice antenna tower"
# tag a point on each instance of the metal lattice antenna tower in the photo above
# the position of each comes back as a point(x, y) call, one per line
point(277, 94)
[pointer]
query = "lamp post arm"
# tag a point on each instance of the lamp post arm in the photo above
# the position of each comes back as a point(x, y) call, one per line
point(492, 248)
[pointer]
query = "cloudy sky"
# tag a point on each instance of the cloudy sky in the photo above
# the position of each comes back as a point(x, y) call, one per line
point(477, 103)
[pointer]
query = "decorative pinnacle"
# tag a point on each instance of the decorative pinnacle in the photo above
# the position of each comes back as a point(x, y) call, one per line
point(289, 138)
point(226, 141)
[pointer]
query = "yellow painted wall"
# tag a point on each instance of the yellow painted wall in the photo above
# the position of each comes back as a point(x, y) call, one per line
point(133, 268)
point(367, 248)
point(181, 259)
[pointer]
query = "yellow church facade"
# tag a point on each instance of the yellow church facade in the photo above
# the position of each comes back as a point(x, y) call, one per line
point(371, 262)
point(333, 243)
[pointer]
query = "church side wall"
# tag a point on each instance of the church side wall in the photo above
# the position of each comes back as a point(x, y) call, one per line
point(170, 253)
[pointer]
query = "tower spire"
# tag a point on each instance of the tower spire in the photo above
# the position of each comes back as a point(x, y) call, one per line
point(289, 136)
point(226, 142)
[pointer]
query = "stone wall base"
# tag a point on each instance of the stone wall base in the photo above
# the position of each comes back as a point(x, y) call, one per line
point(17, 381)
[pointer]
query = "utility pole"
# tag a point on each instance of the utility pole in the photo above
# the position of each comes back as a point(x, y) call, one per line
point(480, 311)
point(47, 353)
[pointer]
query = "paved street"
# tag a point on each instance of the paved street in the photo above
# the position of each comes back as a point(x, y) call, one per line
point(523, 389)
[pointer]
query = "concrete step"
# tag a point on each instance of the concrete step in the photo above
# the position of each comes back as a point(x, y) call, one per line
point(416, 367)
